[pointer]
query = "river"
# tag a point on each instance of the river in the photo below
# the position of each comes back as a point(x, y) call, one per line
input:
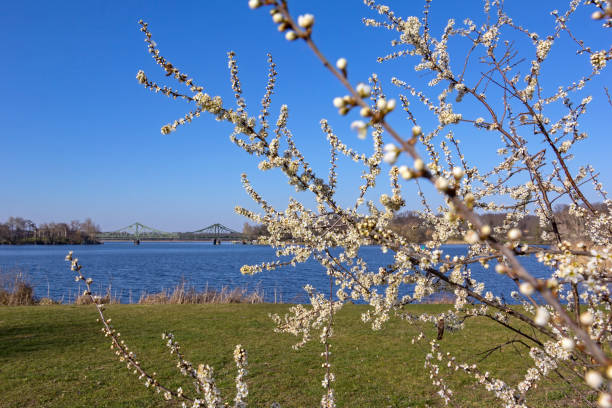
point(130, 270)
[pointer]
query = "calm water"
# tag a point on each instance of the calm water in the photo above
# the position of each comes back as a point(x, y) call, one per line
point(129, 270)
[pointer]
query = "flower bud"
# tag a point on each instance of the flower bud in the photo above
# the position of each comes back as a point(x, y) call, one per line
point(254, 4)
point(609, 371)
point(514, 234)
point(469, 200)
point(365, 112)
point(361, 127)
point(501, 268)
point(542, 316)
point(416, 131)
point(457, 173)
point(593, 379)
point(338, 102)
point(290, 35)
point(390, 157)
point(604, 400)
point(419, 165)
point(391, 105)
point(526, 288)
point(471, 237)
point(381, 104)
point(586, 318)
point(450, 216)
point(390, 147)
point(485, 231)
point(277, 18)
point(405, 172)
point(363, 90)
point(598, 15)
point(391, 153)
point(341, 64)
point(442, 184)
point(306, 21)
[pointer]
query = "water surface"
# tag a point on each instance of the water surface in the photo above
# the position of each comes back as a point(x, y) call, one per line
point(130, 270)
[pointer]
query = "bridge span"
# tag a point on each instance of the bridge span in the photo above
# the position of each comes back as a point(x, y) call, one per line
point(138, 232)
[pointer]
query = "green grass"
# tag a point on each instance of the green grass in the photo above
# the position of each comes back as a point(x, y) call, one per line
point(56, 356)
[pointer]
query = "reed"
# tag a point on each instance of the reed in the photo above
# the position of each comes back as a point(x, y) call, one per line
point(16, 289)
point(184, 293)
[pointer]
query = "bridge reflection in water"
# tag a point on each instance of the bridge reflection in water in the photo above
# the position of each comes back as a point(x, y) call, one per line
point(137, 232)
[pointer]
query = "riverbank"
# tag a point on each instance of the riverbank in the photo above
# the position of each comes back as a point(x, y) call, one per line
point(55, 356)
point(54, 242)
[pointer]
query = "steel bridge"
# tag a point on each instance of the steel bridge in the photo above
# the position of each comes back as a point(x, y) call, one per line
point(139, 232)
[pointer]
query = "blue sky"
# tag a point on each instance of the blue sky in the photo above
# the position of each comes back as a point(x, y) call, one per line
point(80, 137)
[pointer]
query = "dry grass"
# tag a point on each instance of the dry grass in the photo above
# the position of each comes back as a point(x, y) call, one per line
point(16, 289)
point(106, 299)
point(187, 294)
point(441, 298)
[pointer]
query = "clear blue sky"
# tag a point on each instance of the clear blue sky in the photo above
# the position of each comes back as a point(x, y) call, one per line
point(80, 137)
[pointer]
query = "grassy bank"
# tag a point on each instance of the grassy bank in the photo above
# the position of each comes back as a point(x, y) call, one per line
point(56, 356)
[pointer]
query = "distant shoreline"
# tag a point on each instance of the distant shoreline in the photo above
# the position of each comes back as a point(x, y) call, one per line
point(102, 241)
point(49, 243)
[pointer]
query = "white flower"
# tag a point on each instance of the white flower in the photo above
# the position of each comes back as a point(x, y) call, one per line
point(565, 146)
point(543, 48)
point(390, 147)
point(381, 104)
point(405, 172)
point(363, 90)
point(391, 153)
point(598, 59)
point(361, 127)
point(341, 64)
point(338, 102)
point(141, 77)
point(567, 343)
point(457, 173)
point(254, 4)
point(306, 21)
point(542, 316)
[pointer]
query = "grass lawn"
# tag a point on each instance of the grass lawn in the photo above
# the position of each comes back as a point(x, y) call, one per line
point(56, 356)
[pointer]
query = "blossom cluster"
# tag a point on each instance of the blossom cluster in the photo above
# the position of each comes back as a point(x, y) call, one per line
point(502, 98)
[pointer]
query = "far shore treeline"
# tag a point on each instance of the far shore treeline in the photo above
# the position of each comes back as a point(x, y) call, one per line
point(20, 231)
point(416, 229)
